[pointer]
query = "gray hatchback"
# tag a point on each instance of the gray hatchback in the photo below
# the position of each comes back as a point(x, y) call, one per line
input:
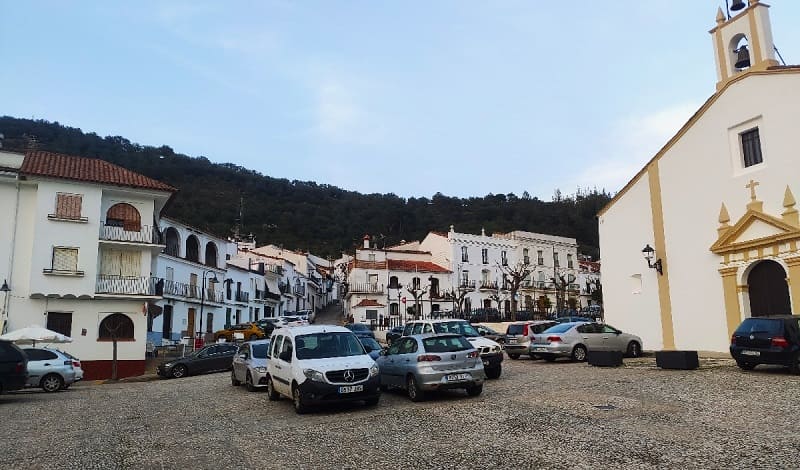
point(49, 368)
point(422, 363)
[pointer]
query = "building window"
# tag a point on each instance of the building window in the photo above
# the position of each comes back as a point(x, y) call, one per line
point(464, 255)
point(372, 279)
point(211, 254)
point(166, 322)
point(125, 216)
point(540, 256)
point(68, 207)
point(210, 322)
point(569, 260)
point(415, 283)
point(60, 322)
point(116, 326)
point(65, 260)
point(434, 290)
point(394, 283)
point(485, 255)
point(525, 258)
point(227, 317)
point(394, 309)
point(173, 242)
point(192, 249)
point(555, 259)
point(751, 147)
point(464, 278)
point(504, 258)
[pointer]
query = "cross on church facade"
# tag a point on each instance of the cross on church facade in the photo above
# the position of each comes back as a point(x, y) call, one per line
point(752, 187)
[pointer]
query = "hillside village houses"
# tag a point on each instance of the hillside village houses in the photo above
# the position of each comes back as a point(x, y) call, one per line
point(713, 213)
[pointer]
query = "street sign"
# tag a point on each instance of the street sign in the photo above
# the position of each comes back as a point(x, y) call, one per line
point(403, 299)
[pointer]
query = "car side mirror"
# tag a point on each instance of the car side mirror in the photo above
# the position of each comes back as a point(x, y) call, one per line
point(285, 356)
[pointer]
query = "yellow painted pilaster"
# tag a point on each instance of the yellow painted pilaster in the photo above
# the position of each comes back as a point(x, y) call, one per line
point(733, 314)
point(665, 303)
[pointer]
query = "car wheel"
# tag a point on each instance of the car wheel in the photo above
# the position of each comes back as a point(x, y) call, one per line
point(513, 356)
point(745, 365)
point(248, 382)
point(475, 390)
point(549, 358)
point(297, 399)
point(253, 337)
point(494, 373)
point(579, 353)
point(272, 395)
point(52, 383)
point(414, 393)
point(179, 371)
point(634, 349)
point(234, 382)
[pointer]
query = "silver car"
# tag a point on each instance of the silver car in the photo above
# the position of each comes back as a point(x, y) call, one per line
point(519, 335)
point(422, 363)
point(576, 339)
point(49, 368)
point(250, 365)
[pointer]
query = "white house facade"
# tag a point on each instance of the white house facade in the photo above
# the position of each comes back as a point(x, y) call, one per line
point(714, 209)
point(78, 253)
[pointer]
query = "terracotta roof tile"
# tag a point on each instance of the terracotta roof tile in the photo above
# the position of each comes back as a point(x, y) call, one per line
point(419, 266)
point(56, 165)
point(369, 303)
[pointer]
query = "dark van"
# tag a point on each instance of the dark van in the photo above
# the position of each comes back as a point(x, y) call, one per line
point(13, 367)
point(767, 340)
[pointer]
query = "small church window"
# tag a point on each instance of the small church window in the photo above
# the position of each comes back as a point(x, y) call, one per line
point(751, 147)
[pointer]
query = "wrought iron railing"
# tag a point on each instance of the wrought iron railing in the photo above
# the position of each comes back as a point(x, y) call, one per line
point(128, 285)
point(366, 288)
point(491, 285)
point(190, 291)
point(143, 234)
point(465, 284)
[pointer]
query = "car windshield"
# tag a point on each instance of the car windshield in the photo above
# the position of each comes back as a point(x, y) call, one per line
point(370, 344)
point(440, 344)
point(322, 345)
point(260, 350)
point(456, 327)
point(562, 328)
point(540, 327)
point(760, 325)
point(358, 327)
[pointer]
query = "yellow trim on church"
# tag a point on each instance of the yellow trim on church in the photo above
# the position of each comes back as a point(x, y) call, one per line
point(664, 300)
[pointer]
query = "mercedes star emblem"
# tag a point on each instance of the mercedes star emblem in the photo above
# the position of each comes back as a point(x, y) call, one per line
point(349, 375)
point(752, 337)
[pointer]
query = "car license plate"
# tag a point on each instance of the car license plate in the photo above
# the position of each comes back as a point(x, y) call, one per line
point(512, 340)
point(539, 349)
point(751, 353)
point(458, 377)
point(351, 389)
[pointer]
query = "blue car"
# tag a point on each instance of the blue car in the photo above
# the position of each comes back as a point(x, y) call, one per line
point(360, 330)
point(372, 347)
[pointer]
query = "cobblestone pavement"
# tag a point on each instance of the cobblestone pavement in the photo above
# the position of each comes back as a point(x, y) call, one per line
point(537, 415)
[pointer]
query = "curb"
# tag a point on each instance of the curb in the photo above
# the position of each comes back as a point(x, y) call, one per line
point(138, 378)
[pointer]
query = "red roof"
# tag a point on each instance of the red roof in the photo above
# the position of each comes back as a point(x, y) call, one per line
point(419, 266)
point(56, 165)
point(369, 303)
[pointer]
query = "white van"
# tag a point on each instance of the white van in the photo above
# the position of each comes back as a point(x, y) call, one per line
point(314, 365)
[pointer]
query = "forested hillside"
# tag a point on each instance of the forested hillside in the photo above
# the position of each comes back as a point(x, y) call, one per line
point(306, 215)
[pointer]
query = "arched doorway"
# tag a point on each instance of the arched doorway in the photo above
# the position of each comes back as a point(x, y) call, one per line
point(768, 290)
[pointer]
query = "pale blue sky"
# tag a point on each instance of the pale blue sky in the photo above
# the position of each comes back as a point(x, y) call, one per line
point(461, 97)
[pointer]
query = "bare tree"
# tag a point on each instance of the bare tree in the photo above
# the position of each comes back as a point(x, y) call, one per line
point(417, 291)
point(513, 276)
point(113, 325)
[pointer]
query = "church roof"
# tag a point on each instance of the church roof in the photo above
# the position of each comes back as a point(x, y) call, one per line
point(773, 70)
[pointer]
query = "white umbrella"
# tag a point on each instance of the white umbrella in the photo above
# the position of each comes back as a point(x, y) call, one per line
point(33, 334)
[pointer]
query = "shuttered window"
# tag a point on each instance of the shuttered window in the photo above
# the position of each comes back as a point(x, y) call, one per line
point(121, 263)
point(68, 206)
point(60, 322)
point(65, 259)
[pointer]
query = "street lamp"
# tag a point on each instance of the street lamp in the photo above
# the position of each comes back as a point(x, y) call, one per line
point(203, 295)
point(649, 254)
point(5, 290)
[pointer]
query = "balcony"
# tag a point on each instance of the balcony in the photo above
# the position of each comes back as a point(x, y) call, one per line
point(284, 288)
point(299, 290)
point(242, 297)
point(128, 285)
point(145, 234)
point(366, 288)
point(189, 291)
point(488, 285)
point(466, 284)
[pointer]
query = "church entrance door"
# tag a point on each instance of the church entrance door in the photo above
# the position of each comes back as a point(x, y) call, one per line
point(769, 292)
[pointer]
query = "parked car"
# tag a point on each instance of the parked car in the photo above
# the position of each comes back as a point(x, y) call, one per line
point(361, 329)
point(570, 319)
point(519, 334)
point(292, 320)
point(394, 333)
point(248, 332)
point(13, 367)
point(767, 340)
point(314, 365)
point(576, 339)
point(307, 315)
point(491, 353)
point(372, 347)
point(268, 325)
point(489, 333)
point(49, 369)
point(423, 363)
point(215, 357)
point(76, 365)
point(250, 365)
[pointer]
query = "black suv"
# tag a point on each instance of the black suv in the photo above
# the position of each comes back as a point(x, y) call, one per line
point(768, 340)
point(13, 367)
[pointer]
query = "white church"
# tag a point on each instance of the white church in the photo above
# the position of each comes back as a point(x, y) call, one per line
point(706, 234)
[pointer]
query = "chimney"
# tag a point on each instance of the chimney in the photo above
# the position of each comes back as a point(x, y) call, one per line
point(366, 241)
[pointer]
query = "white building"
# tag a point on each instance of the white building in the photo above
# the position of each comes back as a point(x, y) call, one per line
point(478, 263)
point(716, 205)
point(77, 249)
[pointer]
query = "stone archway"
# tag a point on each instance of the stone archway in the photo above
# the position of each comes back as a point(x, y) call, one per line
point(768, 289)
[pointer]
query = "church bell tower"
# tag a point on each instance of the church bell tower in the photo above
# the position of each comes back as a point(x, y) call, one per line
point(742, 42)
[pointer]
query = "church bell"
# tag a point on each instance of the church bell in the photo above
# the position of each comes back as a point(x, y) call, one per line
point(743, 59)
point(737, 5)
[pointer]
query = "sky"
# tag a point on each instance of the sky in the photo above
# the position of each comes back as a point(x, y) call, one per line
point(465, 98)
